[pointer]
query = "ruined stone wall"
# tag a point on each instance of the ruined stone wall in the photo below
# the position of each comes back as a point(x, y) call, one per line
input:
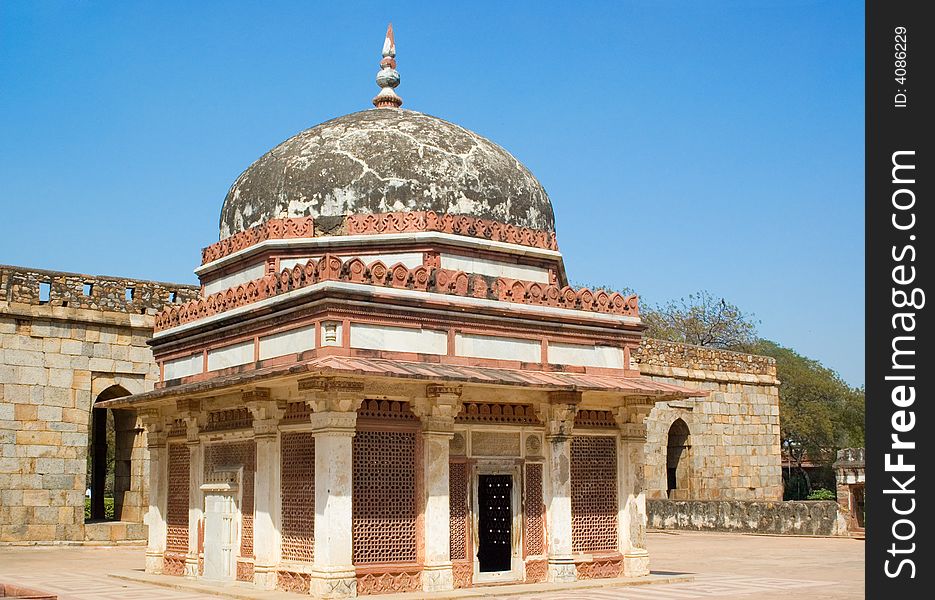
point(777, 518)
point(64, 339)
point(734, 446)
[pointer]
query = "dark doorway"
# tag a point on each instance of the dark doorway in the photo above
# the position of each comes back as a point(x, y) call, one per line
point(109, 458)
point(678, 449)
point(495, 522)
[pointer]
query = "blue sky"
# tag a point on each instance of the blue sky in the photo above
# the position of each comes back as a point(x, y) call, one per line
point(685, 145)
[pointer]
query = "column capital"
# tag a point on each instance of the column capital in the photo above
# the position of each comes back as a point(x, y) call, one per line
point(189, 411)
point(559, 412)
point(438, 408)
point(631, 422)
point(332, 394)
point(267, 413)
point(339, 423)
point(154, 420)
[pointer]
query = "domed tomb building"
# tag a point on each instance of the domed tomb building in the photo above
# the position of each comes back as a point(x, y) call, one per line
point(387, 384)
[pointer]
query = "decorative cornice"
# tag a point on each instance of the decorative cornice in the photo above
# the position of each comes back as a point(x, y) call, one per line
point(420, 278)
point(376, 223)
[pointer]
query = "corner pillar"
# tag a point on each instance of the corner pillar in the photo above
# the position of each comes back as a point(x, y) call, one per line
point(155, 519)
point(267, 537)
point(631, 498)
point(194, 422)
point(334, 403)
point(437, 411)
point(559, 418)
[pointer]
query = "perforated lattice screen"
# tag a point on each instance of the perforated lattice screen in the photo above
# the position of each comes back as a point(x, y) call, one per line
point(177, 500)
point(457, 508)
point(532, 513)
point(593, 494)
point(384, 510)
point(298, 496)
point(236, 454)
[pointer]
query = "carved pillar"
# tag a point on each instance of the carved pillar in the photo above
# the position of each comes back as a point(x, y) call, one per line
point(190, 412)
point(437, 412)
point(267, 535)
point(158, 474)
point(334, 403)
point(631, 499)
point(559, 418)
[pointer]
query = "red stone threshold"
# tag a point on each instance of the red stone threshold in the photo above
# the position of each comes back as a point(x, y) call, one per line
point(244, 591)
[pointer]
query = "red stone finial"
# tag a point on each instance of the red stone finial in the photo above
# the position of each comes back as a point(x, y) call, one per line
point(388, 78)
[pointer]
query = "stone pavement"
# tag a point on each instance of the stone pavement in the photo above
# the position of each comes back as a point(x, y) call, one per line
point(725, 566)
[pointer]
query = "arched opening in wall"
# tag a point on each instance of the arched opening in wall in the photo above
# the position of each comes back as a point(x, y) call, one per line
point(678, 469)
point(110, 459)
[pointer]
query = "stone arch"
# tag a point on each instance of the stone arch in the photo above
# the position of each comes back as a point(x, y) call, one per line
point(678, 461)
point(115, 468)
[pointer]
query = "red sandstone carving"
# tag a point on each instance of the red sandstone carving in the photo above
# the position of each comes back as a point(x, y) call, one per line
point(398, 222)
point(600, 568)
point(389, 582)
point(421, 278)
point(297, 487)
point(272, 229)
point(290, 581)
point(384, 505)
point(177, 507)
point(536, 571)
point(533, 512)
point(593, 494)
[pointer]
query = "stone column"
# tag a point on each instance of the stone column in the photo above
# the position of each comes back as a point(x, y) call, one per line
point(158, 475)
point(437, 411)
point(559, 418)
point(267, 534)
point(631, 497)
point(196, 504)
point(334, 404)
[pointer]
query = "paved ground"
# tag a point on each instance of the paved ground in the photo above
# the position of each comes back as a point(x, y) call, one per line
point(726, 567)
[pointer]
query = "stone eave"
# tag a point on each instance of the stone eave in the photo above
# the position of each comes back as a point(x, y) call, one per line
point(625, 390)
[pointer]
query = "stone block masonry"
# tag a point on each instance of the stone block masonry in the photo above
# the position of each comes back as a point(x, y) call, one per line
point(776, 518)
point(65, 338)
point(733, 448)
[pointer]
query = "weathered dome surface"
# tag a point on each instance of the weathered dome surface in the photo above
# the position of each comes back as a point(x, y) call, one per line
point(386, 160)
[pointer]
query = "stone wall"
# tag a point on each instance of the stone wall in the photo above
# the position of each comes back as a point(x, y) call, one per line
point(65, 339)
point(733, 450)
point(777, 518)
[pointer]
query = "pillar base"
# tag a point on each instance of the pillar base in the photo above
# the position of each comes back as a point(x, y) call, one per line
point(265, 577)
point(154, 563)
point(562, 570)
point(191, 566)
point(437, 578)
point(636, 563)
point(334, 583)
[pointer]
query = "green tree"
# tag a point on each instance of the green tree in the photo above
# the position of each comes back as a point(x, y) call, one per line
point(819, 413)
point(703, 320)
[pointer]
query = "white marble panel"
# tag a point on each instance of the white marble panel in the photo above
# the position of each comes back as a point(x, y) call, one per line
point(182, 367)
point(398, 339)
point(494, 268)
point(287, 342)
point(501, 348)
point(234, 279)
point(586, 356)
point(230, 356)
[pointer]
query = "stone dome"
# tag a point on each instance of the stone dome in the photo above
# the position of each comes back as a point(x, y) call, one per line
point(386, 160)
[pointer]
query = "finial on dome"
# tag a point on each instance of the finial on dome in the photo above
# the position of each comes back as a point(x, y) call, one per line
point(388, 77)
